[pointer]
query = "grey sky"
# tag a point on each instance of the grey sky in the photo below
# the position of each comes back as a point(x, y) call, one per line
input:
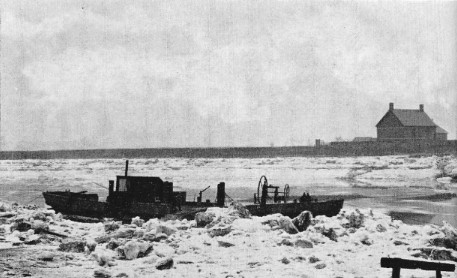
point(107, 74)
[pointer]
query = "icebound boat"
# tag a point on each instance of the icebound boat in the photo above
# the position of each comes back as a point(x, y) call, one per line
point(269, 200)
point(130, 196)
point(151, 197)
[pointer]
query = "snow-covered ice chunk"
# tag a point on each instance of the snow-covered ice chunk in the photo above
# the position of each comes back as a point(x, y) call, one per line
point(134, 249)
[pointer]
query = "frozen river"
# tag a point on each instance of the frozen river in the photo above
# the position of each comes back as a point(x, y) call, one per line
point(399, 185)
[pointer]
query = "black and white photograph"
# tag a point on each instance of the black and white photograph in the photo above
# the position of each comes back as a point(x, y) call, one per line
point(228, 138)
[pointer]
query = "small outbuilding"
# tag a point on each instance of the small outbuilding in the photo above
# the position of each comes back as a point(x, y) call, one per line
point(441, 134)
point(363, 139)
point(408, 124)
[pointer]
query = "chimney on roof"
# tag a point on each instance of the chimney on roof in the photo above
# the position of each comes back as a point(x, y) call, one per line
point(421, 107)
point(391, 106)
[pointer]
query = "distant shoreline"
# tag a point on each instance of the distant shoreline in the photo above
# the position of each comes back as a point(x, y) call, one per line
point(335, 150)
point(223, 152)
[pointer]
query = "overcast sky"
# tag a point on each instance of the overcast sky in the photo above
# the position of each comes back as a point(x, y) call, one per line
point(111, 74)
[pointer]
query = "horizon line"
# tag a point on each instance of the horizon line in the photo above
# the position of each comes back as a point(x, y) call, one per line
point(158, 148)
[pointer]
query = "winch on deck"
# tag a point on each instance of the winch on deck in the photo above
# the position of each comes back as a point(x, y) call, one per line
point(264, 189)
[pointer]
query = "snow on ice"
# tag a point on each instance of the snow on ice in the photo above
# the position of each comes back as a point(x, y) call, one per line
point(243, 246)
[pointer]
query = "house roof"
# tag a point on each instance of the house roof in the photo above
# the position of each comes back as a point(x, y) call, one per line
point(440, 130)
point(412, 117)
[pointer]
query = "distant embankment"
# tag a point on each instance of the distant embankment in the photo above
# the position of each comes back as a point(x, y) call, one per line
point(162, 153)
point(392, 147)
point(334, 149)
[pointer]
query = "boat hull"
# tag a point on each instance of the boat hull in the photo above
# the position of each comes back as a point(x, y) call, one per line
point(327, 208)
point(77, 204)
point(70, 203)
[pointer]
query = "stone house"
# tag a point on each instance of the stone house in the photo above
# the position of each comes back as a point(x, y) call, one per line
point(408, 124)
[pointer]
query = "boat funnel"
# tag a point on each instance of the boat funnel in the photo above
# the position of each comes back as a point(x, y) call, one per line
point(220, 196)
point(111, 187)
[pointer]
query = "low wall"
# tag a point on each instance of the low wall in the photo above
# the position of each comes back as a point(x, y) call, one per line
point(392, 147)
point(247, 152)
point(334, 149)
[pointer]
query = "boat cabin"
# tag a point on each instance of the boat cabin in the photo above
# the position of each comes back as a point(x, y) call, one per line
point(144, 190)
